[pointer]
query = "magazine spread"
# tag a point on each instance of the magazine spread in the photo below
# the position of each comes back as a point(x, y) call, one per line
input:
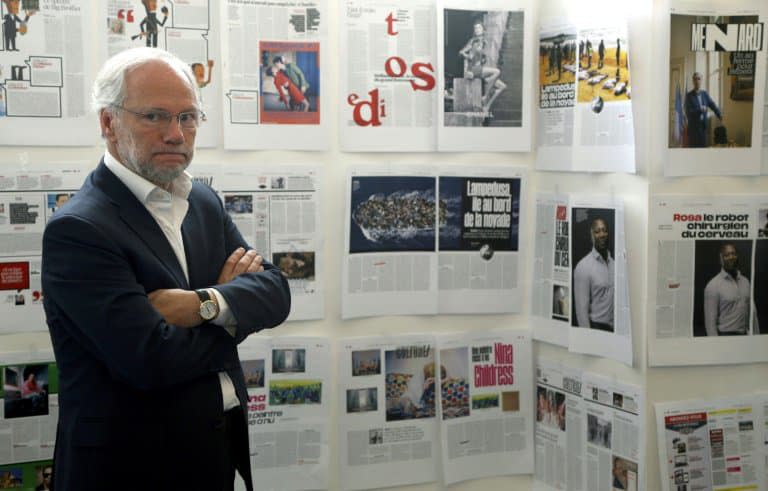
point(585, 108)
point(289, 386)
point(422, 243)
point(717, 68)
point(711, 267)
point(580, 295)
point(486, 403)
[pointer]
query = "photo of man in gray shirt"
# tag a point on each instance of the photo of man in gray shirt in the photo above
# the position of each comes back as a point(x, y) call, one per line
point(727, 298)
point(593, 280)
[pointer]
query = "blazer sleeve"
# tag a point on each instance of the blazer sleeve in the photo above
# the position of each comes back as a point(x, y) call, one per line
point(92, 295)
point(711, 104)
point(257, 300)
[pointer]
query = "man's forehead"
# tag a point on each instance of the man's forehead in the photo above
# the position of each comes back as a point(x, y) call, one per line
point(157, 78)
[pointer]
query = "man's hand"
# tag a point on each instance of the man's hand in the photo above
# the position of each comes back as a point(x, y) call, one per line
point(239, 262)
point(178, 307)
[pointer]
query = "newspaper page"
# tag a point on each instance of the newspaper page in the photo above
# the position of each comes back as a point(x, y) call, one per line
point(275, 74)
point(711, 279)
point(711, 444)
point(28, 416)
point(479, 262)
point(614, 450)
point(388, 434)
point(551, 284)
point(762, 398)
point(45, 73)
point(486, 57)
point(486, 381)
point(388, 96)
point(277, 209)
point(188, 29)
point(560, 422)
point(29, 196)
point(600, 318)
point(717, 68)
point(585, 108)
point(289, 386)
point(390, 264)
point(765, 119)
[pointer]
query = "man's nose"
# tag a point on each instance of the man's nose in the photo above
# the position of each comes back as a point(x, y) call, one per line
point(174, 133)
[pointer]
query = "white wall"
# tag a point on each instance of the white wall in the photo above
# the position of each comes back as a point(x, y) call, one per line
point(649, 80)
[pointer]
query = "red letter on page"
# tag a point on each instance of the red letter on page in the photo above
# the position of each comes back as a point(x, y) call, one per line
point(423, 71)
point(373, 109)
point(391, 25)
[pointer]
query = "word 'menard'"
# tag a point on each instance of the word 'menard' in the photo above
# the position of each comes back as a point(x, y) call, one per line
point(727, 37)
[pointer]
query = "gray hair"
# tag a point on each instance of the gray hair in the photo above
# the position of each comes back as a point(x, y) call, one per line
point(109, 86)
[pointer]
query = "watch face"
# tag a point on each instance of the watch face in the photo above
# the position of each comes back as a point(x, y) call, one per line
point(208, 310)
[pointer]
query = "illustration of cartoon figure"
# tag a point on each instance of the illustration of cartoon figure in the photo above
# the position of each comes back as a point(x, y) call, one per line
point(199, 70)
point(150, 25)
point(10, 21)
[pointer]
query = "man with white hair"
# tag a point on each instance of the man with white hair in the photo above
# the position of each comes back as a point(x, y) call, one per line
point(149, 288)
point(697, 104)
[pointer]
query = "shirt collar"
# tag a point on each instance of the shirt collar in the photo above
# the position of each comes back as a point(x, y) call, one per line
point(725, 274)
point(140, 187)
point(597, 255)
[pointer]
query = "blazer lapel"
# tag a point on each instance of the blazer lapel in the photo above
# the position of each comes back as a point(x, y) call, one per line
point(138, 219)
point(193, 247)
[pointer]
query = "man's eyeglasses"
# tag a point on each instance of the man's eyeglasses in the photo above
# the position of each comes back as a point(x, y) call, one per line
point(159, 119)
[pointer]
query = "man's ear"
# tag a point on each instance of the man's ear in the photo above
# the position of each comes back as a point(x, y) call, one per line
point(107, 123)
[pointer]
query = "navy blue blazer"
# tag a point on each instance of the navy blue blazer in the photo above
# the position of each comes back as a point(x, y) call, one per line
point(140, 399)
point(697, 116)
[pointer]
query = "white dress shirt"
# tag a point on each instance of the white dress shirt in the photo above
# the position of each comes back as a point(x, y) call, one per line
point(169, 209)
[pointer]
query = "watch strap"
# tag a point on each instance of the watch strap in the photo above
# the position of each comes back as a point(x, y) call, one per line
point(203, 295)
